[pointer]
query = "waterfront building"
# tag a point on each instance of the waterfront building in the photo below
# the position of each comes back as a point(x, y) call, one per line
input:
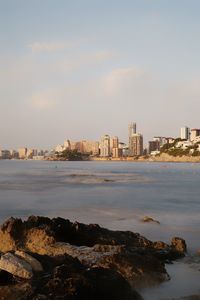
point(154, 146)
point(30, 153)
point(14, 154)
point(67, 144)
point(131, 132)
point(162, 140)
point(136, 145)
point(105, 146)
point(59, 148)
point(194, 133)
point(185, 133)
point(90, 147)
point(22, 153)
point(5, 154)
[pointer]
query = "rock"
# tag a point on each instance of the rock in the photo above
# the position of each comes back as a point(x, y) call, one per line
point(179, 244)
point(94, 283)
point(33, 262)
point(78, 261)
point(149, 219)
point(21, 291)
point(16, 266)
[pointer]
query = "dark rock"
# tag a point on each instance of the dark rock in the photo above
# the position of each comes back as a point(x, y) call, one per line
point(179, 244)
point(148, 219)
point(83, 261)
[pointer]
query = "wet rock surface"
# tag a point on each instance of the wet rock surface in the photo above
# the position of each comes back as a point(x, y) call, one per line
point(44, 258)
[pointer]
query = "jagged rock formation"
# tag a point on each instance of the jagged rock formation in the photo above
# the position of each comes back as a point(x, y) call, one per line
point(64, 260)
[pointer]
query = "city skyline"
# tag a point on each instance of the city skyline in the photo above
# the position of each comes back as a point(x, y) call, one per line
point(96, 67)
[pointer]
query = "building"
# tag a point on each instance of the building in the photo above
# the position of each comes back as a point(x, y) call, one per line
point(116, 149)
point(185, 133)
point(22, 153)
point(105, 146)
point(30, 153)
point(194, 133)
point(90, 147)
point(131, 131)
point(154, 146)
point(59, 148)
point(162, 140)
point(67, 144)
point(5, 154)
point(136, 145)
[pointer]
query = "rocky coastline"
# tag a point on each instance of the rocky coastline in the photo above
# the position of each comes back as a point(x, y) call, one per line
point(44, 259)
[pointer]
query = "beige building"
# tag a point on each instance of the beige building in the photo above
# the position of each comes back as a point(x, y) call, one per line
point(22, 153)
point(30, 153)
point(105, 146)
point(194, 133)
point(136, 145)
point(90, 147)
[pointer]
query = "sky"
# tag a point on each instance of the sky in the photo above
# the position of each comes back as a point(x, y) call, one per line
point(79, 69)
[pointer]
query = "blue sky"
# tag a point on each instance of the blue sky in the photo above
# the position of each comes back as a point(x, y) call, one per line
point(80, 69)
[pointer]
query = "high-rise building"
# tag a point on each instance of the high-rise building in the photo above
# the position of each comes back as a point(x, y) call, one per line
point(194, 133)
point(90, 147)
point(105, 146)
point(114, 146)
point(131, 132)
point(185, 133)
point(22, 153)
point(136, 145)
point(131, 129)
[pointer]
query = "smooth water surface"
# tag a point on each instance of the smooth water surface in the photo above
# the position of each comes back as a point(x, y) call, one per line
point(114, 194)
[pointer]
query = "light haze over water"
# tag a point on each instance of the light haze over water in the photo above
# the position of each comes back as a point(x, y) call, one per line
point(115, 195)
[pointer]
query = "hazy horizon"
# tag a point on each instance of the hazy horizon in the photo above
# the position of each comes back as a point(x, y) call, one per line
point(80, 69)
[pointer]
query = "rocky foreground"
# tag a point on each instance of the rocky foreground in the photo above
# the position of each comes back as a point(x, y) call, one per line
point(56, 259)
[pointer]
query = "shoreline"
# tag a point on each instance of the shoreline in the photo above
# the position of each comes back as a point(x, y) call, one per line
point(38, 245)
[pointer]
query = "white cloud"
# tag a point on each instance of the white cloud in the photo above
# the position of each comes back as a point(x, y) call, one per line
point(123, 78)
point(37, 47)
point(44, 100)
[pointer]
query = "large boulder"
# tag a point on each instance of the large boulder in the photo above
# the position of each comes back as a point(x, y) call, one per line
point(16, 266)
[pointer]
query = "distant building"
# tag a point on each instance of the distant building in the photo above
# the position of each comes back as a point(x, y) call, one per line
point(59, 148)
point(105, 146)
point(154, 146)
point(30, 153)
point(162, 140)
point(136, 145)
point(14, 154)
point(90, 147)
point(194, 133)
point(5, 154)
point(22, 153)
point(67, 144)
point(131, 131)
point(185, 133)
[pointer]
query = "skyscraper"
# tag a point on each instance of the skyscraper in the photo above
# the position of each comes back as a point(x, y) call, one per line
point(105, 146)
point(131, 129)
point(185, 133)
point(131, 132)
point(136, 145)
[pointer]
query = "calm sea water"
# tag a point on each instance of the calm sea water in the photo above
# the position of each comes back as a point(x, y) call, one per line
point(115, 195)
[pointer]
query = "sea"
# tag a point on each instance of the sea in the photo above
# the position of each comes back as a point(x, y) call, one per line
point(116, 195)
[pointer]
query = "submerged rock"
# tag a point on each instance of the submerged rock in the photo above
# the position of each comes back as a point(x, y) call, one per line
point(148, 219)
point(179, 244)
